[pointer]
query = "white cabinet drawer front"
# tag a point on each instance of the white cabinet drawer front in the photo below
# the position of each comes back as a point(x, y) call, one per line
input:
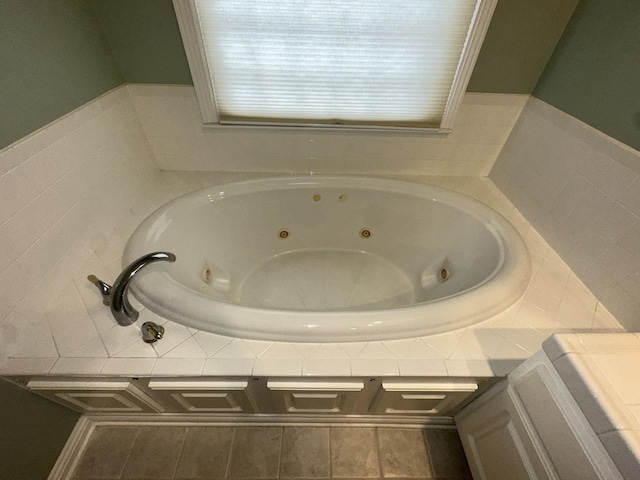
point(98, 396)
point(315, 397)
point(205, 396)
point(421, 398)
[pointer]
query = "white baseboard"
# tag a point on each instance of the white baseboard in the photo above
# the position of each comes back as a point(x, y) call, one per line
point(76, 443)
point(277, 420)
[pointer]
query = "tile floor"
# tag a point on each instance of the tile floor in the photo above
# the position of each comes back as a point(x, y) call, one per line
point(206, 452)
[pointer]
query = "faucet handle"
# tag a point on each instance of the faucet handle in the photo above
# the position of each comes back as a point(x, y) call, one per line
point(105, 289)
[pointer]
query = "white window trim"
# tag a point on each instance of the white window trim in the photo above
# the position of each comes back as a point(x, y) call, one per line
point(186, 14)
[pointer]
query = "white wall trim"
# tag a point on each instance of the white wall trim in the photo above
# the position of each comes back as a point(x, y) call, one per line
point(76, 443)
point(274, 420)
point(477, 32)
point(187, 16)
point(194, 49)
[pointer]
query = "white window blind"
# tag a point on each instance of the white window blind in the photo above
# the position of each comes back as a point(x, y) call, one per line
point(334, 62)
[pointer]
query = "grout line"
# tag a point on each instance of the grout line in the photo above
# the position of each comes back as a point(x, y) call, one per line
point(377, 440)
point(428, 449)
point(133, 444)
point(594, 313)
point(330, 454)
point(233, 441)
point(280, 450)
point(184, 441)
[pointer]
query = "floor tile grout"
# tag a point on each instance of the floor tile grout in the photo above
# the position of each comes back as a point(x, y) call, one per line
point(280, 451)
point(330, 454)
point(379, 452)
point(184, 440)
point(124, 464)
point(233, 439)
point(426, 446)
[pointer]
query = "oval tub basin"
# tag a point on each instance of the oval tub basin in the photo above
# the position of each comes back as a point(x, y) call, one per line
point(328, 259)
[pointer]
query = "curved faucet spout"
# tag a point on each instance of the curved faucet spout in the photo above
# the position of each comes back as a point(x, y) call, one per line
point(121, 308)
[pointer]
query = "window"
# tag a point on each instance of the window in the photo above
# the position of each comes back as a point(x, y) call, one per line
point(355, 63)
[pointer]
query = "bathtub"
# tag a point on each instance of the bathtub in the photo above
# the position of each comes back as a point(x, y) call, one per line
point(328, 259)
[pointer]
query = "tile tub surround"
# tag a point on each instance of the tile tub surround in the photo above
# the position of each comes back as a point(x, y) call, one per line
point(272, 452)
point(595, 369)
point(171, 119)
point(69, 195)
point(73, 193)
point(581, 190)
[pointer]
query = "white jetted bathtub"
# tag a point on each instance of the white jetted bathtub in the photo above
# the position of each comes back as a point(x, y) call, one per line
point(328, 259)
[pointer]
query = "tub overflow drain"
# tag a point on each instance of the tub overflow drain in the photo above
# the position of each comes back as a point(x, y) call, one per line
point(283, 233)
point(365, 233)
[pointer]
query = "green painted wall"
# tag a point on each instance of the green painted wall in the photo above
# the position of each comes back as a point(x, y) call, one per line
point(33, 433)
point(519, 42)
point(594, 74)
point(145, 40)
point(58, 54)
point(53, 58)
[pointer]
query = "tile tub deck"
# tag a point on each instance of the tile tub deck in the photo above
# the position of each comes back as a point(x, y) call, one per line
point(75, 334)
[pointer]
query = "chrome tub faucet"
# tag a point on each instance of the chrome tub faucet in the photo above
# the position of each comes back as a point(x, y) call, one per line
point(116, 296)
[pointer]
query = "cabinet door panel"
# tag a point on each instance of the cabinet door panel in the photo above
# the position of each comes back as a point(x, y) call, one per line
point(571, 451)
point(497, 443)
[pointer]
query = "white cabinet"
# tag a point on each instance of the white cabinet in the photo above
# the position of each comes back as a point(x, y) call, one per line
point(296, 396)
point(226, 396)
point(421, 398)
point(428, 397)
point(566, 436)
point(529, 426)
point(97, 396)
point(497, 442)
